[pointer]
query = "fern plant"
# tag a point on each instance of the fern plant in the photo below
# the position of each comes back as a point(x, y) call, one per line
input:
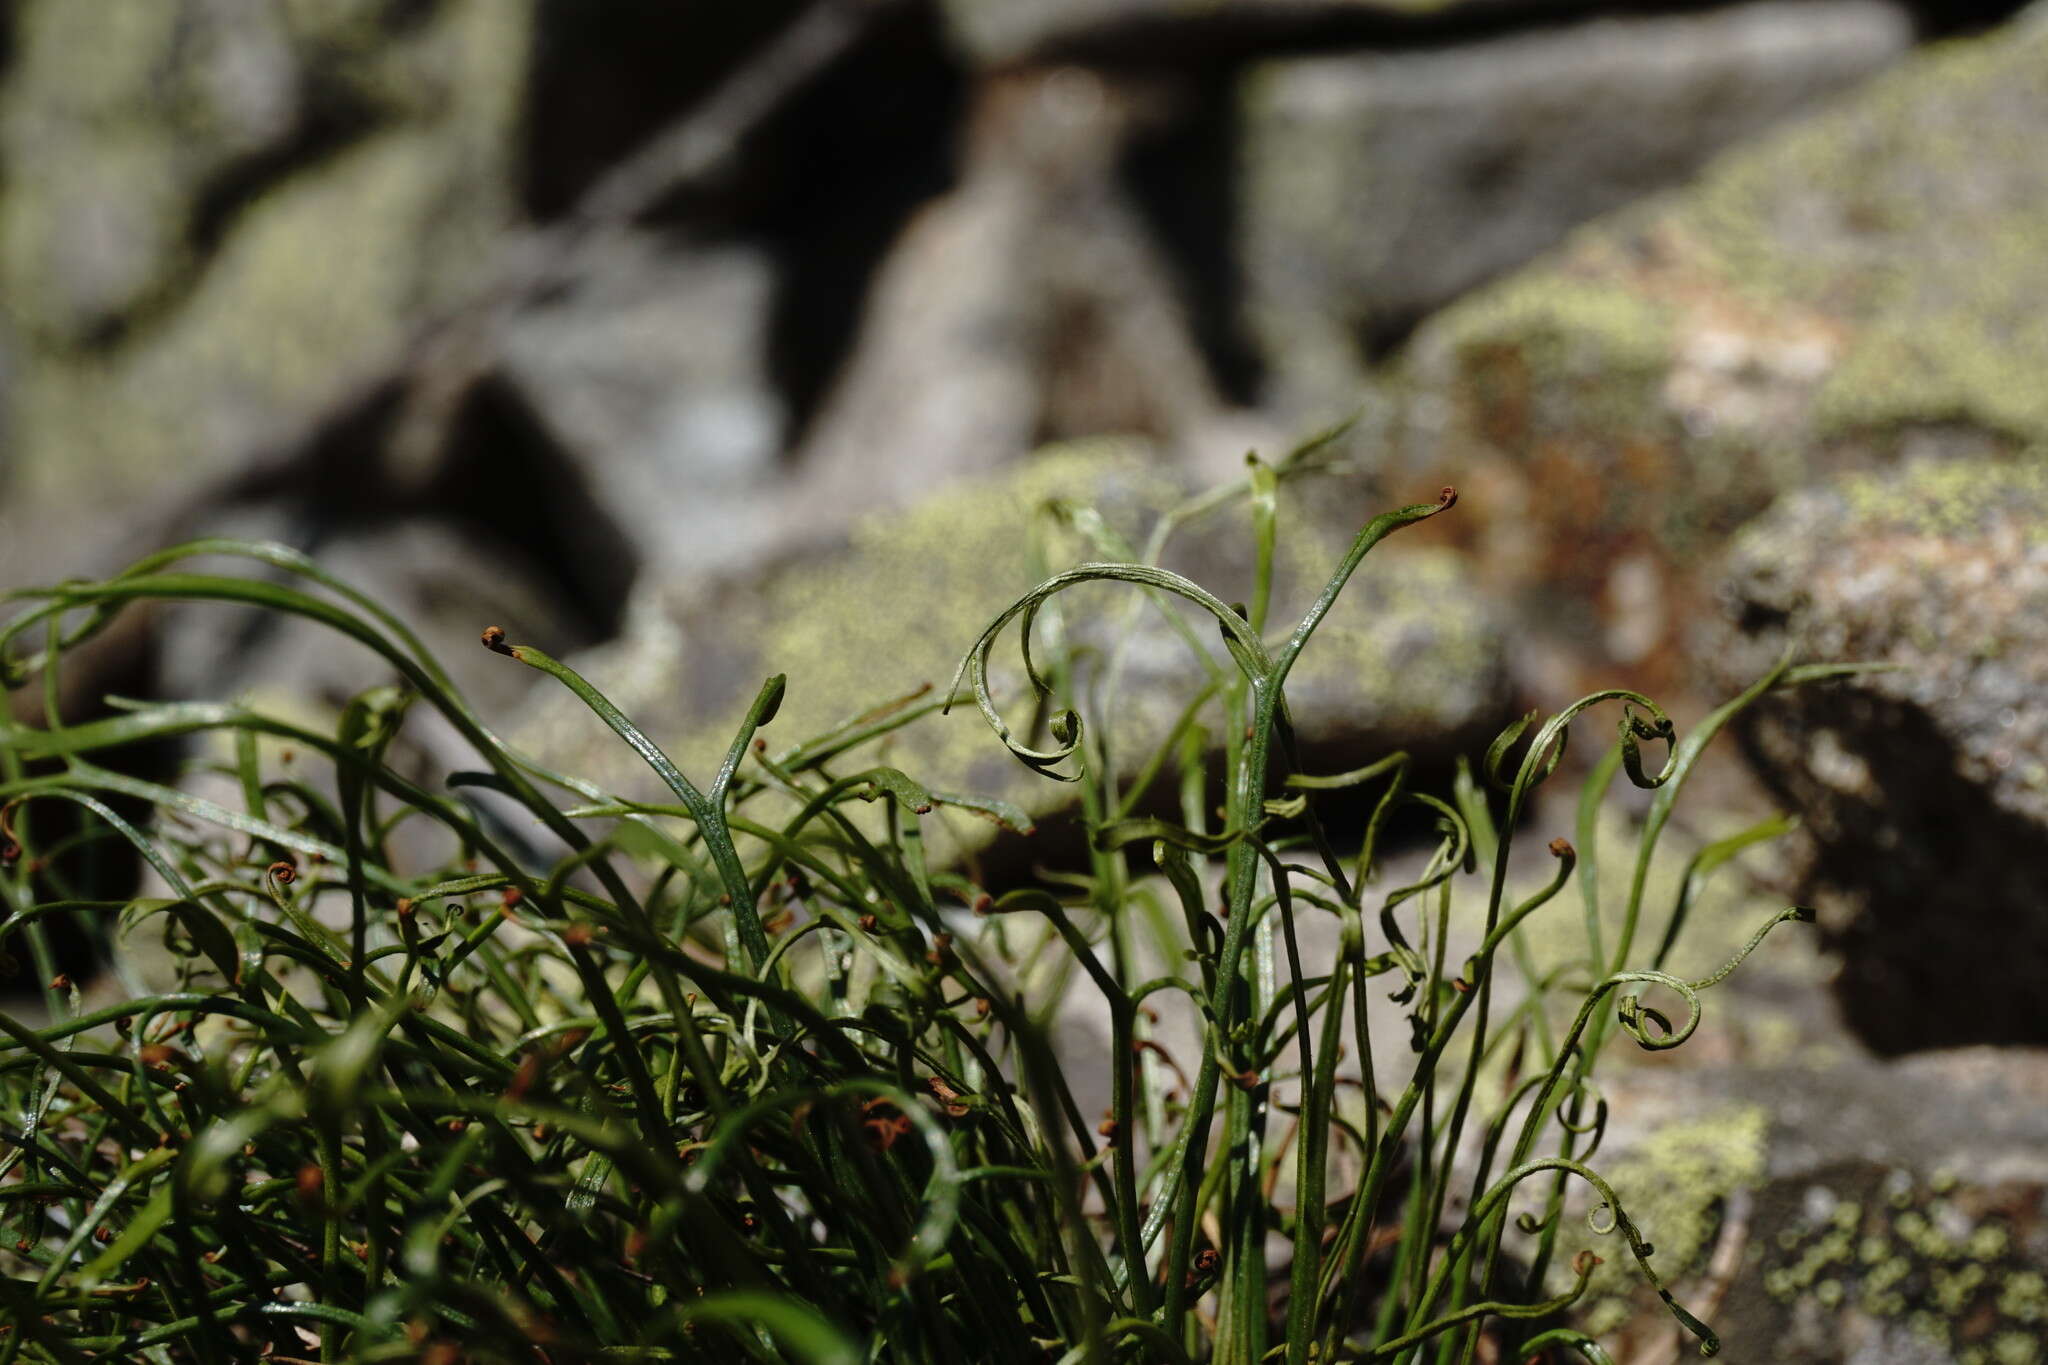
point(747, 1076)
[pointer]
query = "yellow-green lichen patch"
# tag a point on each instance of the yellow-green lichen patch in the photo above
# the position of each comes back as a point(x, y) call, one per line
point(1951, 498)
point(1406, 657)
point(1938, 1257)
point(1578, 333)
point(305, 287)
point(917, 588)
point(1674, 1185)
point(1913, 214)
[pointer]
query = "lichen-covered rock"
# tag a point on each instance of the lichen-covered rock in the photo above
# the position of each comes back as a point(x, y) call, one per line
point(1410, 656)
point(1923, 788)
point(1380, 186)
point(219, 220)
point(1859, 287)
point(1886, 1213)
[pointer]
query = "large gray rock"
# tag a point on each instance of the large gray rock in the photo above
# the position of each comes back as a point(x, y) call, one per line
point(1411, 656)
point(1028, 304)
point(1880, 1213)
point(1924, 789)
point(1378, 187)
point(218, 224)
point(649, 371)
point(1849, 291)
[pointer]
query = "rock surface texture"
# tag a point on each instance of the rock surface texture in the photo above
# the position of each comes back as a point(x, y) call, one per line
point(1850, 292)
point(1924, 788)
point(1381, 187)
point(1869, 1212)
point(218, 224)
point(1410, 657)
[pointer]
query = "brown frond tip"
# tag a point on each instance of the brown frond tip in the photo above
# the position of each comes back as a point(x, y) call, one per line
point(1447, 497)
point(494, 640)
point(1559, 848)
point(283, 873)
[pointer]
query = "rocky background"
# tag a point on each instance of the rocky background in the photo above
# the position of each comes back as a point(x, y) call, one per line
point(686, 335)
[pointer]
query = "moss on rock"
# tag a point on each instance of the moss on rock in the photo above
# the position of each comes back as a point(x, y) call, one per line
point(1409, 655)
point(1857, 287)
point(194, 267)
point(1864, 1253)
point(1923, 788)
point(1675, 1185)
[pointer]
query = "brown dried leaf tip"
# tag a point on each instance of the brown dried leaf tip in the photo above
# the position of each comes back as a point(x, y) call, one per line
point(1560, 848)
point(1205, 1264)
point(523, 1079)
point(494, 640)
point(948, 1097)
point(1447, 498)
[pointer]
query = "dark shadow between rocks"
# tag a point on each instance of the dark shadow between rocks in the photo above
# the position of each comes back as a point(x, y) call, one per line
point(1931, 894)
point(1184, 176)
point(606, 77)
point(497, 473)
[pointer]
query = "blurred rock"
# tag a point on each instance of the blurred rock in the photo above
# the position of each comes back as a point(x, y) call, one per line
point(218, 223)
point(1028, 304)
point(444, 585)
point(1854, 290)
point(1378, 187)
point(1410, 656)
point(649, 368)
point(1924, 790)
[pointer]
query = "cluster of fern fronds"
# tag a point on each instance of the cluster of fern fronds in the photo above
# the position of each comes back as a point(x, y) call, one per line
point(508, 1068)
